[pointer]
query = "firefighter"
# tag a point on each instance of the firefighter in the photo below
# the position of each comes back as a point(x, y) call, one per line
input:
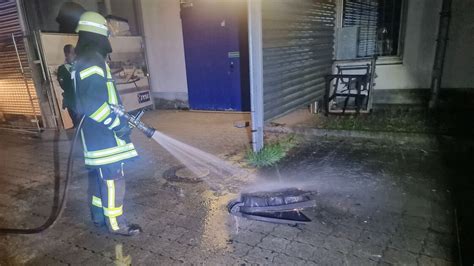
point(65, 82)
point(105, 136)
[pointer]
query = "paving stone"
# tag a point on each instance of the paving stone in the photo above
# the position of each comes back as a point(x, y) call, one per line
point(415, 222)
point(340, 244)
point(421, 210)
point(399, 257)
point(438, 251)
point(368, 251)
point(224, 260)
point(286, 231)
point(443, 215)
point(96, 244)
point(240, 250)
point(444, 239)
point(98, 260)
point(351, 233)
point(154, 259)
point(415, 233)
point(282, 259)
point(311, 238)
point(319, 228)
point(354, 260)
point(262, 227)
point(243, 224)
point(441, 227)
point(299, 250)
point(374, 238)
point(425, 260)
point(261, 256)
point(323, 256)
point(195, 255)
point(274, 243)
point(155, 243)
point(74, 255)
point(406, 243)
point(174, 251)
point(248, 237)
point(46, 260)
point(385, 223)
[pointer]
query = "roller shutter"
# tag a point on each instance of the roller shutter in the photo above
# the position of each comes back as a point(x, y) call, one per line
point(18, 101)
point(298, 47)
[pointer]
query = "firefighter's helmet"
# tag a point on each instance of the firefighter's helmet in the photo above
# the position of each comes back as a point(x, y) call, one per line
point(93, 22)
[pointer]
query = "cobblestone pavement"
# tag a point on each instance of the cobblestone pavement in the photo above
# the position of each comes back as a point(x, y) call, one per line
point(378, 204)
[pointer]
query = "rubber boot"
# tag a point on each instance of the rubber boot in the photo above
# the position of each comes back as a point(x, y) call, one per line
point(94, 198)
point(113, 193)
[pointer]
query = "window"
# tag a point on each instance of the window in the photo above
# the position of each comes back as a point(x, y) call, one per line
point(378, 23)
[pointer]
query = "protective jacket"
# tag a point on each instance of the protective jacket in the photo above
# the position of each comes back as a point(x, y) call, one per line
point(95, 91)
point(66, 83)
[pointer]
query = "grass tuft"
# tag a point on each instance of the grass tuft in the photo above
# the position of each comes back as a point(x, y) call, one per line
point(271, 153)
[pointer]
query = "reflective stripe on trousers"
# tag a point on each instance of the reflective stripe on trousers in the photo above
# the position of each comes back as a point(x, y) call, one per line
point(106, 194)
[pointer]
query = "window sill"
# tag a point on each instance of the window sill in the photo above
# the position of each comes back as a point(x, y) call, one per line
point(382, 60)
point(389, 60)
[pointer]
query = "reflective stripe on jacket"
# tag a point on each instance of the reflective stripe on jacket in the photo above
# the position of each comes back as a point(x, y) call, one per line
point(95, 91)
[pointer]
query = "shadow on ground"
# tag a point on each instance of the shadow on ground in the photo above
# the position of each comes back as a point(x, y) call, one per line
point(458, 157)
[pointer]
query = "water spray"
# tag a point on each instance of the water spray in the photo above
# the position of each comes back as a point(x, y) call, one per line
point(283, 206)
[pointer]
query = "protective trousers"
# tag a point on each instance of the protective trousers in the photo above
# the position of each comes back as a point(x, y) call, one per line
point(106, 193)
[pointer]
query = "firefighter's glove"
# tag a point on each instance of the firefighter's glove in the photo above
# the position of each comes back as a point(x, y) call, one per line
point(124, 132)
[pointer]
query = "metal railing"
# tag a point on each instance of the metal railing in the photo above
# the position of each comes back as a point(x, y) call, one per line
point(19, 105)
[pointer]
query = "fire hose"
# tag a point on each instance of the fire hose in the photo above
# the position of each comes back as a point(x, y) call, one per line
point(59, 203)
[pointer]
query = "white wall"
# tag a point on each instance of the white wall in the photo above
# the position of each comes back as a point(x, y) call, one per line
point(422, 19)
point(458, 69)
point(165, 50)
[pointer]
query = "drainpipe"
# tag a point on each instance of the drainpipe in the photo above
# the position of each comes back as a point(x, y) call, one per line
point(442, 43)
point(108, 7)
point(256, 72)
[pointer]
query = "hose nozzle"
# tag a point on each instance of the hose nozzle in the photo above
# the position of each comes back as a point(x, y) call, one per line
point(133, 121)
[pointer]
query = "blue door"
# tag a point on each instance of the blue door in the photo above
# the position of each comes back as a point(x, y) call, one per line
point(216, 52)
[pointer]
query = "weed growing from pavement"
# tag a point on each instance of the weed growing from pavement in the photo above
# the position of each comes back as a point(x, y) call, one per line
point(272, 152)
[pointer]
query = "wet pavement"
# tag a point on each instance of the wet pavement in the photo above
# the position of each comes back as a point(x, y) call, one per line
point(377, 204)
